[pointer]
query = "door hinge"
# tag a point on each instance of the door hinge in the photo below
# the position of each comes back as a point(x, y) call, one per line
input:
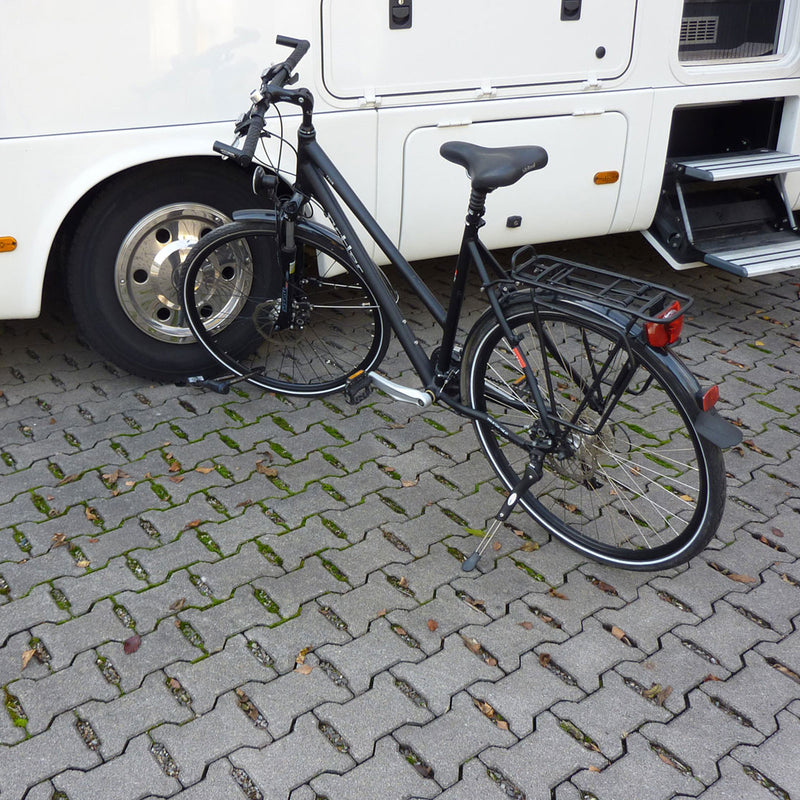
point(370, 99)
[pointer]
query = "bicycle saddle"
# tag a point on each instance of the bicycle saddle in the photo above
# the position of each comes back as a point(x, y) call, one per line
point(492, 167)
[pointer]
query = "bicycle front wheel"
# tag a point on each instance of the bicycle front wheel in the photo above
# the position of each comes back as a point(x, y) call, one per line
point(630, 482)
point(232, 294)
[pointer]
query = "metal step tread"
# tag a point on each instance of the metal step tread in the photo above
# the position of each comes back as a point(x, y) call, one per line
point(730, 166)
point(759, 259)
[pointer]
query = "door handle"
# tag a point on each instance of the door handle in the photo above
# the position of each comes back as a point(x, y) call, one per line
point(399, 14)
point(570, 10)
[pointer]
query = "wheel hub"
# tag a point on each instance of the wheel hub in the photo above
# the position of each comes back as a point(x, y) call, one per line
point(148, 269)
point(580, 458)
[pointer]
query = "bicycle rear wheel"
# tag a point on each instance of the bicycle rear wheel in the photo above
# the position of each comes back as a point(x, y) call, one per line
point(232, 298)
point(640, 490)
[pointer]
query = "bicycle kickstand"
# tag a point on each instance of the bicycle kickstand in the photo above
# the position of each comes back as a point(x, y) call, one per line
point(533, 472)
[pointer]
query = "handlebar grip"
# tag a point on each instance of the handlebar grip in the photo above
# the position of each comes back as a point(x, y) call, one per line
point(300, 46)
point(251, 140)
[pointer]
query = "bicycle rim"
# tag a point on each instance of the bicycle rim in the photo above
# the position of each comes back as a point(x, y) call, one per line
point(641, 490)
point(232, 293)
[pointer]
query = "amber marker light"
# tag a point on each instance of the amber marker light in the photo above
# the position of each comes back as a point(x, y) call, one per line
point(604, 178)
point(7, 244)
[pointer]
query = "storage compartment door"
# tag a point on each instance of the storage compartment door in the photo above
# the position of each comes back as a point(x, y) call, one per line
point(470, 44)
point(561, 201)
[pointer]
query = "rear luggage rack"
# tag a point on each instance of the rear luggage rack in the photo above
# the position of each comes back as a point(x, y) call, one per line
point(638, 299)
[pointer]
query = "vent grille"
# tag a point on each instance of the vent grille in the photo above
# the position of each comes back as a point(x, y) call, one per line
point(699, 30)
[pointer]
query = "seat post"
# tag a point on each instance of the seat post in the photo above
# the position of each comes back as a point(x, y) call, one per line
point(477, 208)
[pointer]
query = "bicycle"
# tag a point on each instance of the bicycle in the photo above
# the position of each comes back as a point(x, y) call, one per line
point(585, 414)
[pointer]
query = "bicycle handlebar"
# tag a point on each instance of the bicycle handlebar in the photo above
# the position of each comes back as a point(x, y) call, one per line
point(279, 77)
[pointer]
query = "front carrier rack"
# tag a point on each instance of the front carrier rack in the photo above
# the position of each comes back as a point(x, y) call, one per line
point(566, 279)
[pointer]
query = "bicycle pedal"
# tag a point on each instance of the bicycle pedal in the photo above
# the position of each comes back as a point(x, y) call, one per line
point(357, 388)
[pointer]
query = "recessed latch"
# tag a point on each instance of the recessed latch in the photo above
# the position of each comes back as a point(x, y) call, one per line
point(570, 10)
point(399, 14)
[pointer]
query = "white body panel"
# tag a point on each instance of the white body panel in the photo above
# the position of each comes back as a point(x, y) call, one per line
point(89, 88)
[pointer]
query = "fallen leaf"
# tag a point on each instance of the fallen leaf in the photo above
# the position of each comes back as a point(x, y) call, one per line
point(113, 477)
point(424, 770)
point(59, 539)
point(68, 479)
point(304, 669)
point(400, 631)
point(269, 472)
point(777, 532)
point(593, 768)
point(90, 514)
point(432, 625)
point(407, 484)
point(177, 478)
point(301, 656)
point(741, 578)
point(132, 645)
point(174, 683)
point(204, 470)
point(529, 547)
point(403, 582)
point(496, 546)
point(94, 540)
point(195, 523)
point(518, 532)
point(557, 595)
point(178, 604)
point(711, 677)
point(527, 625)
point(27, 656)
point(502, 724)
point(473, 645)
point(620, 634)
point(544, 659)
point(175, 466)
point(787, 672)
point(83, 563)
point(491, 661)
point(382, 612)
point(604, 587)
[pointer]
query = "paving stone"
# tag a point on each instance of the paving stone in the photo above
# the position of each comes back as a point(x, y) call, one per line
point(727, 635)
point(67, 639)
point(17, 615)
point(30, 762)
point(609, 715)
point(524, 694)
point(786, 651)
point(776, 759)
point(284, 699)
point(293, 760)
point(379, 649)
point(446, 673)
point(133, 774)
point(541, 761)
point(641, 772)
point(387, 769)
point(698, 587)
point(758, 693)
point(218, 783)
point(774, 600)
point(702, 735)
point(453, 738)
point(589, 654)
point(222, 730)
point(447, 613)
point(675, 666)
point(220, 672)
point(647, 619)
point(137, 712)
point(734, 783)
point(48, 697)
point(372, 715)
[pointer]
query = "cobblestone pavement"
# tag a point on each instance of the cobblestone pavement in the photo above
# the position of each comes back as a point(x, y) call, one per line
point(290, 573)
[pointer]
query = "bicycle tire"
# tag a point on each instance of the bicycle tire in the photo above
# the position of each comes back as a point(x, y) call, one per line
point(642, 492)
point(337, 327)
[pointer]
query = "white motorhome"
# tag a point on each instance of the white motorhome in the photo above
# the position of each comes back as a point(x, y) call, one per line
point(678, 118)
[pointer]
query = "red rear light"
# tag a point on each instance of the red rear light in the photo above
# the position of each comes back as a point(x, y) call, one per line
point(660, 334)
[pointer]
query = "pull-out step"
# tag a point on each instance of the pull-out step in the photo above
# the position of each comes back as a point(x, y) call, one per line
point(734, 166)
point(760, 259)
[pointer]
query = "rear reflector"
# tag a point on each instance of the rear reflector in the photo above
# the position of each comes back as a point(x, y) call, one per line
point(660, 334)
point(710, 398)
